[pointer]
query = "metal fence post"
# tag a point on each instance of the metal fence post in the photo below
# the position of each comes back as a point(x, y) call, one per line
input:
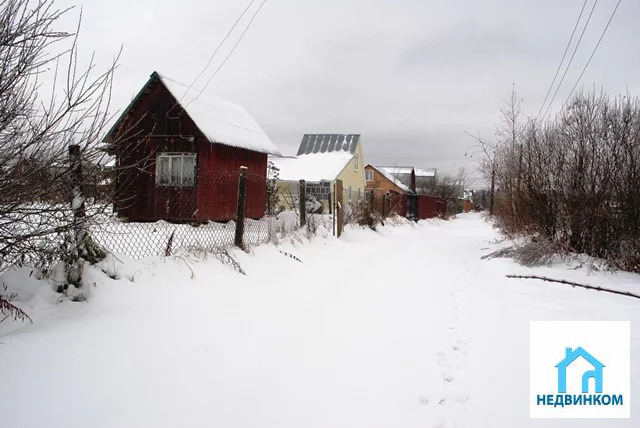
point(303, 199)
point(242, 199)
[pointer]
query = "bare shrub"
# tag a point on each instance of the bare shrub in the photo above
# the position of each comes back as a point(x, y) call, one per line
point(366, 215)
point(574, 181)
point(48, 101)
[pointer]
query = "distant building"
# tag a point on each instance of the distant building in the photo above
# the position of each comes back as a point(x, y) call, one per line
point(405, 174)
point(381, 183)
point(418, 179)
point(412, 185)
point(320, 161)
point(425, 178)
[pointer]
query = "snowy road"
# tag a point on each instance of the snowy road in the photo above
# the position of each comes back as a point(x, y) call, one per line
point(403, 328)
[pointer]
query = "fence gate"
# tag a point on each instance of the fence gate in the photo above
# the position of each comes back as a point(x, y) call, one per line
point(338, 210)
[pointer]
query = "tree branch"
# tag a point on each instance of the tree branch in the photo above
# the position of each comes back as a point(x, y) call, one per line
point(576, 284)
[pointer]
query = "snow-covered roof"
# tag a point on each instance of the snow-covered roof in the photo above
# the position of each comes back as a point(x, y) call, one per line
point(395, 169)
point(219, 120)
point(391, 178)
point(420, 172)
point(314, 167)
point(426, 172)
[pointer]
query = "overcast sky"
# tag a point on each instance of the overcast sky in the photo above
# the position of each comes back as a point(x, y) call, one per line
point(411, 76)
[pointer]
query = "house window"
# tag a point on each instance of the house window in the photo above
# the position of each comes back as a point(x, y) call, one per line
point(176, 169)
point(355, 163)
point(368, 173)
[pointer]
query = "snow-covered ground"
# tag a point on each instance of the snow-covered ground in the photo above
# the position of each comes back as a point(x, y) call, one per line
point(406, 327)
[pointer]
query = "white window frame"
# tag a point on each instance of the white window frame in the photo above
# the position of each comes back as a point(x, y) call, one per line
point(368, 174)
point(172, 157)
point(355, 163)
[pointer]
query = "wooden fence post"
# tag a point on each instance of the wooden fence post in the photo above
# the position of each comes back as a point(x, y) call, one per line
point(79, 214)
point(339, 210)
point(302, 192)
point(242, 200)
point(335, 212)
point(385, 205)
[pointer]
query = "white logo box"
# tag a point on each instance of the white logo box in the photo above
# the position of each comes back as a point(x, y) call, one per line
point(606, 341)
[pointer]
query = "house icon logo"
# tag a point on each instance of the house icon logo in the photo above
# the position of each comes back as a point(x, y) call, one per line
point(567, 373)
point(571, 355)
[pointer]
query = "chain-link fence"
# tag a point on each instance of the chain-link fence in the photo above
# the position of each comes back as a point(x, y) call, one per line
point(155, 216)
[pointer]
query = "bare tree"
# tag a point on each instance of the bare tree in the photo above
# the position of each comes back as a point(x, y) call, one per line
point(48, 101)
point(448, 186)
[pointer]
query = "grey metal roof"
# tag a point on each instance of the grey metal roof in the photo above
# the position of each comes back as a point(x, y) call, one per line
point(426, 172)
point(327, 143)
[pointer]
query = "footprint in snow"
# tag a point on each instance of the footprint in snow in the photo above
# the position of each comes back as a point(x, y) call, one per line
point(423, 400)
point(444, 424)
point(447, 377)
point(461, 398)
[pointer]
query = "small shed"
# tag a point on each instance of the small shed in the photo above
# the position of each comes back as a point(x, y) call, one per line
point(178, 152)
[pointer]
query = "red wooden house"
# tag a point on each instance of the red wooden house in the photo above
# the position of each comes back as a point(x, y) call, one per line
point(178, 153)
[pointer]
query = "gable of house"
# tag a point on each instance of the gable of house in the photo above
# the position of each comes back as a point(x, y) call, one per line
point(382, 181)
point(405, 174)
point(352, 175)
point(218, 120)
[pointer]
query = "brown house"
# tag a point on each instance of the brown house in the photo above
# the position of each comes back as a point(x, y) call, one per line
point(178, 152)
point(380, 182)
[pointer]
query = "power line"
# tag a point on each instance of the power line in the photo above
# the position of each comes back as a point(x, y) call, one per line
point(235, 24)
point(230, 53)
point(570, 60)
point(593, 52)
point(575, 27)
